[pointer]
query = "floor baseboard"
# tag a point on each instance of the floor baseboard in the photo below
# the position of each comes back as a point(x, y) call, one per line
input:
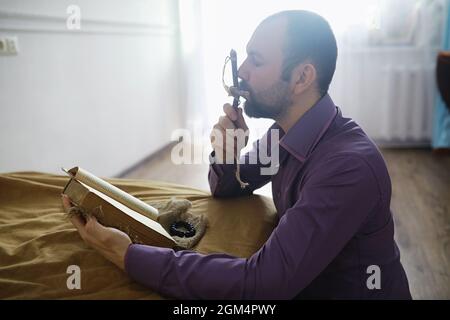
point(149, 158)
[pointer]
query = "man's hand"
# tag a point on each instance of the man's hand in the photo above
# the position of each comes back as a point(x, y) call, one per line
point(226, 136)
point(109, 242)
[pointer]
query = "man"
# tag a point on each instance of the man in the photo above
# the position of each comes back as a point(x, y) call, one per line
point(332, 190)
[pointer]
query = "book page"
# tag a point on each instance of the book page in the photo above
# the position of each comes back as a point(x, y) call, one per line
point(130, 212)
point(113, 192)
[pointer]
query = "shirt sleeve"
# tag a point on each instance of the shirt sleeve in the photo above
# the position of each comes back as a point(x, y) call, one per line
point(222, 177)
point(334, 202)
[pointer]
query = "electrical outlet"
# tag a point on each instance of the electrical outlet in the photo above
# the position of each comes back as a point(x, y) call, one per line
point(3, 46)
point(9, 46)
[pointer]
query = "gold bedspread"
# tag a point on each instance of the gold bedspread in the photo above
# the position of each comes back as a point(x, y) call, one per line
point(38, 242)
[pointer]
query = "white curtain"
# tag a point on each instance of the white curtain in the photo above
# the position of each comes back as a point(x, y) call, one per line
point(385, 72)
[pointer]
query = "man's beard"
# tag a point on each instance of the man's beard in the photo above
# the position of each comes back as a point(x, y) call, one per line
point(270, 103)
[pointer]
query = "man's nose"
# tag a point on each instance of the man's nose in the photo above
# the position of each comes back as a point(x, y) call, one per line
point(242, 74)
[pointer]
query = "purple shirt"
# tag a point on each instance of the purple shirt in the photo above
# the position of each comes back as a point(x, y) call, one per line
point(332, 192)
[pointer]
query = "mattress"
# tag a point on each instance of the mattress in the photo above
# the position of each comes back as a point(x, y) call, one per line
point(38, 243)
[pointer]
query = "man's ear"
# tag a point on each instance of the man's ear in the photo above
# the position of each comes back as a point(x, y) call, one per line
point(303, 77)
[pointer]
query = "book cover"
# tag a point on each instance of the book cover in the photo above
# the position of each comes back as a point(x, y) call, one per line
point(115, 208)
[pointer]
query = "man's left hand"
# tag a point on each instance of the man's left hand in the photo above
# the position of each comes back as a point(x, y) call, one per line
point(109, 242)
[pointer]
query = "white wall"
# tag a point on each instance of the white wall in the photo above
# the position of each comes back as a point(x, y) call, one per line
point(104, 97)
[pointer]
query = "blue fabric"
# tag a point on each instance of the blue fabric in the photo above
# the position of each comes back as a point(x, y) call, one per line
point(441, 125)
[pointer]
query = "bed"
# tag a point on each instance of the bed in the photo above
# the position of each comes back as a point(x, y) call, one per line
point(38, 243)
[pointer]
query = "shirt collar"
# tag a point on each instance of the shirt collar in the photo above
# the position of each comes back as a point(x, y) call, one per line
point(304, 135)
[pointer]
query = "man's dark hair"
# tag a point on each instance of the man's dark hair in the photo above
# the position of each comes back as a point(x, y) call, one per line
point(309, 37)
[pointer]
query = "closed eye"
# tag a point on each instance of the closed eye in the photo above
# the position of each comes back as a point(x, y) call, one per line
point(255, 57)
point(255, 61)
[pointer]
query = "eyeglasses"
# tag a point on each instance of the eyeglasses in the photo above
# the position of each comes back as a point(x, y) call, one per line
point(227, 88)
point(233, 91)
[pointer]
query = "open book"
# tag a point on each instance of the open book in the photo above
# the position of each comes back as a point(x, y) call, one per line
point(115, 208)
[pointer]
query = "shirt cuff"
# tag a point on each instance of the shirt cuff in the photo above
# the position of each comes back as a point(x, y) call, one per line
point(145, 264)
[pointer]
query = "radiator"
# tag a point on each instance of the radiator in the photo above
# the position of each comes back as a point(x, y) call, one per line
point(406, 105)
